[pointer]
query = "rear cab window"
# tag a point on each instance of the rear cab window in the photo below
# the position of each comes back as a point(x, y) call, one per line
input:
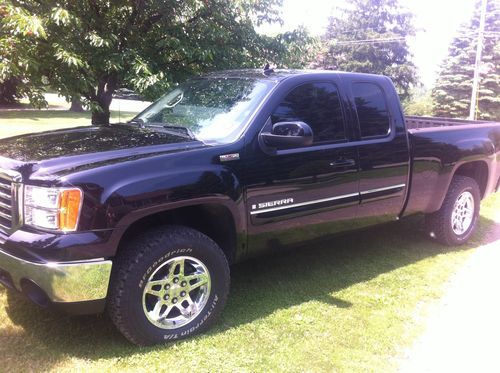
point(372, 110)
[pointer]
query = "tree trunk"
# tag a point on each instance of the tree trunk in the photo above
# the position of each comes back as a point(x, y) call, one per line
point(76, 105)
point(8, 91)
point(99, 117)
point(104, 95)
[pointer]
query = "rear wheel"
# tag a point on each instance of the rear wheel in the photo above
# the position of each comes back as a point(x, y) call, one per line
point(456, 221)
point(168, 284)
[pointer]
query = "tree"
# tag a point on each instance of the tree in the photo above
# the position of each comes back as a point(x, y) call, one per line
point(18, 56)
point(9, 92)
point(89, 48)
point(369, 36)
point(421, 104)
point(453, 89)
point(76, 104)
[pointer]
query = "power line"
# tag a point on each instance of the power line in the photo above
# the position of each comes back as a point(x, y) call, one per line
point(371, 41)
point(403, 38)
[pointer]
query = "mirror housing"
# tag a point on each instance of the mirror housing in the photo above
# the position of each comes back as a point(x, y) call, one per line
point(285, 135)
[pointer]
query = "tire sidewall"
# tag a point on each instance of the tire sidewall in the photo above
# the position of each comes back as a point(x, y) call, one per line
point(144, 269)
point(474, 190)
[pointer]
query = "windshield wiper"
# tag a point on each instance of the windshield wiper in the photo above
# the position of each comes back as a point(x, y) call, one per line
point(176, 130)
point(138, 121)
point(165, 127)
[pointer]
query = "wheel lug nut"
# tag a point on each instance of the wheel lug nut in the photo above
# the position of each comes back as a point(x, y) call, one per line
point(167, 286)
point(183, 294)
point(183, 283)
point(174, 301)
point(166, 297)
point(176, 280)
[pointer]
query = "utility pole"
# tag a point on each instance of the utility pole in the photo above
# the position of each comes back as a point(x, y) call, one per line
point(477, 65)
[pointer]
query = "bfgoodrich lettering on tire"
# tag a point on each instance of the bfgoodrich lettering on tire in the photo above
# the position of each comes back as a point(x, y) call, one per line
point(456, 221)
point(167, 284)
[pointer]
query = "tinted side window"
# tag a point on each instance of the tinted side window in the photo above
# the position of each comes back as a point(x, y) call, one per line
point(372, 109)
point(316, 104)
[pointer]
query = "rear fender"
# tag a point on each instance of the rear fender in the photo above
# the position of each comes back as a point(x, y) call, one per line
point(470, 150)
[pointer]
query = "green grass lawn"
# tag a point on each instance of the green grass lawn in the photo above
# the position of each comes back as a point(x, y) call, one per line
point(352, 304)
point(16, 122)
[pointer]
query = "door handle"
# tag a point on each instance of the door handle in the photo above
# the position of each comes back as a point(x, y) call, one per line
point(343, 162)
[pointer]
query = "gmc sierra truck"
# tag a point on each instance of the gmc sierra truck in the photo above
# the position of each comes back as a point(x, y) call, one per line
point(143, 219)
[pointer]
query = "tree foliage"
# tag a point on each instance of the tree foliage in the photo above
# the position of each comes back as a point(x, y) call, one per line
point(453, 89)
point(18, 55)
point(368, 36)
point(89, 48)
point(421, 104)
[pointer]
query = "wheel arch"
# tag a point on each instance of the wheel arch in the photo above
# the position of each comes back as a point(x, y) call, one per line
point(215, 220)
point(477, 170)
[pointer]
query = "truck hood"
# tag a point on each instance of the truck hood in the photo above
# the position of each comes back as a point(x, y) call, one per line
point(70, 149)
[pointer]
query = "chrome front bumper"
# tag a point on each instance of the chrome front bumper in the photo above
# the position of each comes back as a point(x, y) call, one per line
point(61, 282)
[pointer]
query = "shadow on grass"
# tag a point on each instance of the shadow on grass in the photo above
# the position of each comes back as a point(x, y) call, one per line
point(259, 288)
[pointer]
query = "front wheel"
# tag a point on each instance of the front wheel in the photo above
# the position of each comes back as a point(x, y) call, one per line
point(456, 221)
point(168, 284)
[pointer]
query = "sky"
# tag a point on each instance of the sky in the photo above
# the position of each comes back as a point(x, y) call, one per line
point(437, 22)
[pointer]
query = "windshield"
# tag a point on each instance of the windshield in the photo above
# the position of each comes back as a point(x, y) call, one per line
point(213, 110)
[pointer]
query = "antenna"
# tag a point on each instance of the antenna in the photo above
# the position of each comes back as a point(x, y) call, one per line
point(267, 69)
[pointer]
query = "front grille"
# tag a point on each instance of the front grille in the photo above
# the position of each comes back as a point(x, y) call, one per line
point(5, 205)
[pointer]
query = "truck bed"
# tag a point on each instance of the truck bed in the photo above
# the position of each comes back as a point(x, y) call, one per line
point(416, 122)
point(439, 146)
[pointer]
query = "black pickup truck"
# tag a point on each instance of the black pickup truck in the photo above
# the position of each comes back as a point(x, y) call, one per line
point(143, 219)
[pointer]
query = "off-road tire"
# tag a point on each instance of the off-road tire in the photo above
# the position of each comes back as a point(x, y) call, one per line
point(439, 223)
point(139, 258)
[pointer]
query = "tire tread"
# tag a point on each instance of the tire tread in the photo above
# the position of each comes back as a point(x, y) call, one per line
point(131, 254)
point(437, 222)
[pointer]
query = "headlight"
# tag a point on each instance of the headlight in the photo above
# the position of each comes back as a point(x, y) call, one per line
point(52, 208)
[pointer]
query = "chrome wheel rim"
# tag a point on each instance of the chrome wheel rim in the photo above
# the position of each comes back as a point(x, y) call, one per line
point(176, 292)
point(463, 213)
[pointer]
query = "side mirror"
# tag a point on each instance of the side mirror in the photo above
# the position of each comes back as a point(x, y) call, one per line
point(286, 135)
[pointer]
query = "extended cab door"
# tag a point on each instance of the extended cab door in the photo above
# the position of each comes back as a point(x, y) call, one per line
point(298, 194)
point(384, 158)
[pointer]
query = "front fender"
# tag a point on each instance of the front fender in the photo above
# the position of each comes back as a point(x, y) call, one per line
point(142, 195)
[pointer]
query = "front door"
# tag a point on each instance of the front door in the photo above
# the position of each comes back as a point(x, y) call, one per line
point(299, 194)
